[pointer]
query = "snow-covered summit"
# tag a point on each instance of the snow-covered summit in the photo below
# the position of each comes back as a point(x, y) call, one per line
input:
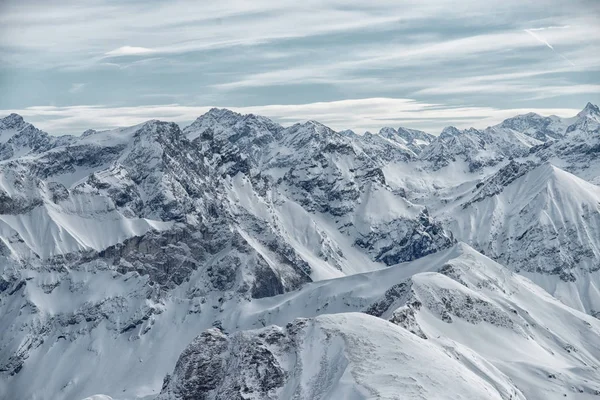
point(590, 111)
point(225, 123)
point(11, 121)
point(537, 126)
point(449, 132)
point(19, 138)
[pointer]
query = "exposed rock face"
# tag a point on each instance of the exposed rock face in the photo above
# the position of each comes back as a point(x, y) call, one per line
point(403, 240)
point(211, 366)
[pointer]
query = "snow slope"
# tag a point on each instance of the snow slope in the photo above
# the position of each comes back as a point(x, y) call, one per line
point(540, 221)
point(496, 329)
point(339, 356)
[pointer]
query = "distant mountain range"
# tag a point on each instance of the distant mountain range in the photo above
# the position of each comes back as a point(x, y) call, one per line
point(239, 259)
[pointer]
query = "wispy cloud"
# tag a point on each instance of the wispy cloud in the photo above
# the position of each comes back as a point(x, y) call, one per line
point(433, 53)
point(538, 38)
point(77, 31)
point(129, 51)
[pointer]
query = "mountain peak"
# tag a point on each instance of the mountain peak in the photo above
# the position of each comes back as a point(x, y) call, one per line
point(312, 122)
point(532, 115)
point(89, 132)
point(521, 121)
point(388, 132)
point(301, 134)
point(226, 124)
point(226, 117)
point(11, 121)
point(449, 131)
point(311, 126)
point(156, 128)
point(222, 113)
point(589, 109)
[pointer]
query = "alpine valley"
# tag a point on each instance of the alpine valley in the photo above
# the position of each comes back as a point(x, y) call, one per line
point(239, 259)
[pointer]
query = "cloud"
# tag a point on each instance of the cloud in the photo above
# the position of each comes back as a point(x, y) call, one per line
point(71, 31)
point(549, 27)
point(540, 90)
point(357, 114)
point(362, 62)
point(129, 51)
point(86, 31)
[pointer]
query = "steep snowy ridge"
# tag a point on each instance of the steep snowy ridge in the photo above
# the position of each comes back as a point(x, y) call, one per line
point(470, 309)
point(146, 201)
point(590, 113)
point(334, 176)
point(541, 221)
point(19, 138)
point(578, 151)
point(90, 213)
point(119, 247)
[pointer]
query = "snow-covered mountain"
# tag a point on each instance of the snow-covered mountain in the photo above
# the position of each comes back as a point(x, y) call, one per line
point(118, 247)
point(541, 221)
point(19, 138)
point(537, 126)
point(478, 148)
point(578, 151)
point(450, 325)
point(414, 139)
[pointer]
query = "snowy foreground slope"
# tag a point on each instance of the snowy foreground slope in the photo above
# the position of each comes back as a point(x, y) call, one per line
point(338, 356)
point(467, 317)
point(118, 248)
point(506, 335)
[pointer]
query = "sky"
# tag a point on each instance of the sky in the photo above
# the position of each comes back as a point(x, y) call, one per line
point(70, 65)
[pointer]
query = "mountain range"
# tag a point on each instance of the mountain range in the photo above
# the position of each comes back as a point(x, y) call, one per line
point(236, 258)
